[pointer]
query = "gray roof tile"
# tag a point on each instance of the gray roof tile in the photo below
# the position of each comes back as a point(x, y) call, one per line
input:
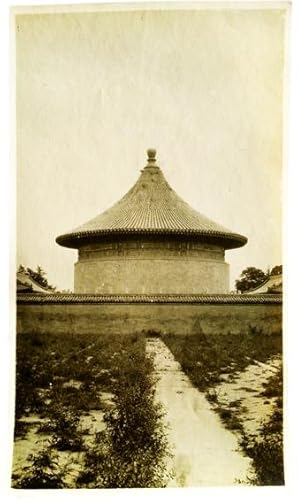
point(61, 298)
point(151, 206)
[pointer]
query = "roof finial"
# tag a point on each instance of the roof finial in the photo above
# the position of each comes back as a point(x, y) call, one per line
point(151, 155)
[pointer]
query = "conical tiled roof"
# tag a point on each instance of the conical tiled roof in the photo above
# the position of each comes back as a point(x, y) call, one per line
point(151, 206)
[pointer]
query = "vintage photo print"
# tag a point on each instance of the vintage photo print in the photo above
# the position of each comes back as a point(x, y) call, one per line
point(150, 153)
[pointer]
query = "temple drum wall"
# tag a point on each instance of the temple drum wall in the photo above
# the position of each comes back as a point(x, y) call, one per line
point(152, 269)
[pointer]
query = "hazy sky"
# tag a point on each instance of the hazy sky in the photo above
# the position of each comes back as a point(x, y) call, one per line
point(95, 90)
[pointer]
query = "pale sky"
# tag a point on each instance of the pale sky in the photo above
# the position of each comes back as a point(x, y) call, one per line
point(95, 90)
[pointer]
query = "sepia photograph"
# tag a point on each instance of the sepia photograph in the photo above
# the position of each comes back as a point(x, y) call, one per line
point(149, 166)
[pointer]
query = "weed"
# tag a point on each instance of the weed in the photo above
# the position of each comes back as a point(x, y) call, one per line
point(212, 396)
point(152, 333)
point(267, 456)
point(20, 429)
point(63, 425)
point(254, 330)
point(43, 472)
point(267, 452)
point(225, 414)
point(235, 404)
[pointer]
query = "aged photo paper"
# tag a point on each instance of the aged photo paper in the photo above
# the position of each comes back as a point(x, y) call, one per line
point(149, 166)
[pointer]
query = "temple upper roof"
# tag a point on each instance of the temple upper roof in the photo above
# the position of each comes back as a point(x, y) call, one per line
point(151, 206)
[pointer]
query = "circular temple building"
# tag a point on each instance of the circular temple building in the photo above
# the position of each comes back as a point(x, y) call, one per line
point(151, 242)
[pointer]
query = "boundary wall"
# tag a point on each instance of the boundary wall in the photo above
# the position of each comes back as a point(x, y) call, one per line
point(186, 314)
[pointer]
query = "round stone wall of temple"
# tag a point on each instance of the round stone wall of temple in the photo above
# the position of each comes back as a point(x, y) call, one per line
point(151, 242)
point(149, 266)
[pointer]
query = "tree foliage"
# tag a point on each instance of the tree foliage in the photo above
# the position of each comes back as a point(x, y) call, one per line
point(250, 278)
point(276, 270)
point(39, 276)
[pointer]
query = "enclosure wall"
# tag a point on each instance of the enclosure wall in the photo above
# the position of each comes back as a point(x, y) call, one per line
point(70, 318)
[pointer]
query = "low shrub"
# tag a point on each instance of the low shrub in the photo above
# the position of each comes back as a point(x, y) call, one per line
point(267, 451)
point(63, 425)
point(43, 472)
point(152, 333)
point(267, 456)
point(212, 396)
point(133, 451)
point(20, 429)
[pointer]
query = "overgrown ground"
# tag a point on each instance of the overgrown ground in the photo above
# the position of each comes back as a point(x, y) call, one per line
point(225, 361)
point(63, 383)
point(86, 416)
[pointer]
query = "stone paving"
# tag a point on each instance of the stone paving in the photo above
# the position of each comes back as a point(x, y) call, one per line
point(205, 453)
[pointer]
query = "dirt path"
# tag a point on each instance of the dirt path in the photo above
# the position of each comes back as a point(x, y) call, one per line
point(205, 453)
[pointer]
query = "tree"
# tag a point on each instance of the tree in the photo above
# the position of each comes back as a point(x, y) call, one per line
point(276, 270)
point(250, 278)
point(39, 276)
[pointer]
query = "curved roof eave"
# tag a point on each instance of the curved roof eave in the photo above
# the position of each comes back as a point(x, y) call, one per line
point(78, 239)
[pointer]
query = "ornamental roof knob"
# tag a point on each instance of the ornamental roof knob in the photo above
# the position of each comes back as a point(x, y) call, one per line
point(151, 155)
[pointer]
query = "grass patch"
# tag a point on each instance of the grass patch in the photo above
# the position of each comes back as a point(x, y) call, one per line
point(267, 452)
point(20, 429)
point(46, 362)
point(205, 357)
